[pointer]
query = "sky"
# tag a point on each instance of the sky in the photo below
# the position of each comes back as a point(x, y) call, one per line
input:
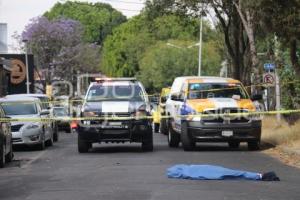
point(17, 13)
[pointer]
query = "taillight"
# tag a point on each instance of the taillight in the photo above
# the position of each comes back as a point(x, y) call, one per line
point(74, 125)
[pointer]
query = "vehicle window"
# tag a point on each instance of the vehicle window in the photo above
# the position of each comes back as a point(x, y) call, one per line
point(60, 112)
point(115, 92)
point(215, 90)
point(15, 108)
point(44, 102)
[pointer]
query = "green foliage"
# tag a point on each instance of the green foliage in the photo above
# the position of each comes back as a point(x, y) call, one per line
point(161, 63)
point(98, 19)
point(123, 49)
point(139, 45)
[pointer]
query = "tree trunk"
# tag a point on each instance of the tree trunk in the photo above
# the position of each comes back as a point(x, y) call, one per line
point(249, 28)
point(294, 57)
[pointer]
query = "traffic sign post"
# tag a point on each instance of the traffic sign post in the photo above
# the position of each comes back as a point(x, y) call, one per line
point(269, 79)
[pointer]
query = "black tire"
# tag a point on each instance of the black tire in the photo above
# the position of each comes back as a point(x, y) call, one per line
point(55, 134)
point(187, 142)
point(83, 146)
point(2, 153)
point(173, 137)
point(147, 144)
point(156, 127)
point(253, 145)
point(41, 146)
point(163, 127)
point(10, 156)
point(49, 142)
point(68, 130)
point(234, 144)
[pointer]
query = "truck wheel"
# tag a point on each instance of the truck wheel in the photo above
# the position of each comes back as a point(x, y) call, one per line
point(187, 142)
point(156, 127)
point(83, 146)
point(253, 145)
point(163, 127)
point(173, 137)
point(2, 154)
point(234, 144)
point(147, 144)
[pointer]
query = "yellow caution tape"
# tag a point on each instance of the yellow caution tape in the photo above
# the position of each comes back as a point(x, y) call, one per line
point(241, 114)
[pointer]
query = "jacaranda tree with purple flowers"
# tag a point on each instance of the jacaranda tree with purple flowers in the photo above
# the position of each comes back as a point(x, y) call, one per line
point(58, 47)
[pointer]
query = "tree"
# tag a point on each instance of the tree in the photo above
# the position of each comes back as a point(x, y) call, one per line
point(46, 39)
point(98, 19)
point(123, 50)
point(160, 63)
point(229, 21)
point(59, 49)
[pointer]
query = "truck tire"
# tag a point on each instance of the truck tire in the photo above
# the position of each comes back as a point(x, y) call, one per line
point(163, 127)
point(83, 146)
point(173, 137)
point(187, 142)
point(254, 145)
point(156, 127)
point(234, 144)
point(147, 144)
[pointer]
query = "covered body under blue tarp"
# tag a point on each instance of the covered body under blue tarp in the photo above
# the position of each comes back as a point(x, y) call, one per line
point(210, 172)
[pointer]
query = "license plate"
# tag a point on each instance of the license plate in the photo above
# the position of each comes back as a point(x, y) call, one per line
point(227, 133)
point(115, 123)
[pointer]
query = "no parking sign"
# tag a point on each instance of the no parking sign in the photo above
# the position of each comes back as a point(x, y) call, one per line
point(269, 79)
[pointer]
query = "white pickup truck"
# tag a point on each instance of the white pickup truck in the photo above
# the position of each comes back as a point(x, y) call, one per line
point(211, 109)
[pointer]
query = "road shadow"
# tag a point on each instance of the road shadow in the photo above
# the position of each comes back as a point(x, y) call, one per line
point(120, 148)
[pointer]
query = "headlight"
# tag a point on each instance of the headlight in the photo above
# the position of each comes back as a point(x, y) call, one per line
point(32, 126)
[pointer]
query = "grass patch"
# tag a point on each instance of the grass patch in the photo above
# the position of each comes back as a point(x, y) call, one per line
point(280, 133)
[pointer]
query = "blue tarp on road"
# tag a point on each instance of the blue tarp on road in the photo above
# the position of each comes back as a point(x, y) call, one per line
point(210, 172)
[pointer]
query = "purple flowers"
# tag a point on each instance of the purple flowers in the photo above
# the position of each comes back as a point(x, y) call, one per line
point(59, 29)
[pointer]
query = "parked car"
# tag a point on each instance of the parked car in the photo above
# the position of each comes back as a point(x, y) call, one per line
point(122, 99)
point(45, 105)
point(6, 150)
point(33, 130)
point(63, 118)
point(217, 99)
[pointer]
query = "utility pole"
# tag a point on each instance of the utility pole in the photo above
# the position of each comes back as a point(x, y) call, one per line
point(200, 42)
point(27, 67)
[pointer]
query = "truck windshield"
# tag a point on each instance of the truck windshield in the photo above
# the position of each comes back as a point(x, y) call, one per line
point(19, 108)
point(215, 90)
point(115, 93)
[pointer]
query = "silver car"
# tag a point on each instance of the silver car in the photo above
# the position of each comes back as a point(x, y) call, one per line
point(29, 128)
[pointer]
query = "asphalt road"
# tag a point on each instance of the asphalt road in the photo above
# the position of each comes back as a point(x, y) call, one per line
point(124, 172)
